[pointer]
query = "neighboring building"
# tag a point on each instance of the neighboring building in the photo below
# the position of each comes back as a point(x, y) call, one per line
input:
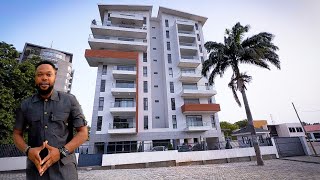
point(313, 132)
point(149, 88)
point(61, 59)
point(286, 130)
point(244, 136)
point(260, 124)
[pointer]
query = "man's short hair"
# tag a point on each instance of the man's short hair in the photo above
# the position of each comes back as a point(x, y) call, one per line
point(46, 62)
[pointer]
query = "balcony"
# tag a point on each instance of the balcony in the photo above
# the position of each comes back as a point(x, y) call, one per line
point(117, 43)
point(124, 72)
point(122, 128)
point(124, 90)
point(185, 25)
point(120, 30)
point(95, 57)
point(197, 126)
point(200, 108)
point(190, 76)
point(125, 18)
point(122, 108)
point(188, 47)
point(198, 91)
point(189, 61)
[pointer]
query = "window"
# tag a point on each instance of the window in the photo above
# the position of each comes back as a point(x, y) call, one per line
point(155, 73)
point(196, 25)
point(153, 27)
point(316, 135)
point(166, 22)
point(145, 104)
point(173, 104)
point(170, 72)
point(168, 46)
point(167, 34)
point(213, 121)
point(145, 86)
point(189, 86)
point(157, 117)
point(104, 69)
point(145, 72)
point(144, 20)
point(194, 120)
point(210, 100)
point(125, 84)
point(171, 87)
point(145, 57)
point(155, 60)
point(145, 122)
point(200, 48)
point(102, 85)
point(109, 16)
point(101, 102)
point(174, 121)
point(207, 86)
point(299, 129)
point(292, 129)
point(191, 101)
point(169, 59)
point(154, 37)
point(202, 59)
point(155, 86)
point(124, 102)
point(154, 48)
point(156, 101)
point(198, 37)
point(99, 123)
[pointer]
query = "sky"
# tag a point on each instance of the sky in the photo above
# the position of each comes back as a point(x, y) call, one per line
point(295, 23)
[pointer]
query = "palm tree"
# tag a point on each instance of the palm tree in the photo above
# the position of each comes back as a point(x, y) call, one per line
point(257, 50)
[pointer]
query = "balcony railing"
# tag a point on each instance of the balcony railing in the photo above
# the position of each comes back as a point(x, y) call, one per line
point(123, 104)
point(125, 68)
point(117, 38)
point(190, 57)
point(199, 87)
point(187, 44)
point(124, 85)
point(196, 123)
point(185, 32)
point(121, 125)
point(108, 23)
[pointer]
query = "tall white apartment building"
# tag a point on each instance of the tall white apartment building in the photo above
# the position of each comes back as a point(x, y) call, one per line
point(149, 88)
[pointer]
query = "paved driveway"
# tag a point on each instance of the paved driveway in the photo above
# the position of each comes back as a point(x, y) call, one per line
point(273, 169)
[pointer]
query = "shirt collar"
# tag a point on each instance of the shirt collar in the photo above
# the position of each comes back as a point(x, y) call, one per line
point(54, 96)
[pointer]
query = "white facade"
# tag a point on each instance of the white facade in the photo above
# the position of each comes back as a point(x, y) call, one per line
point(290, 130)
point(149, 86)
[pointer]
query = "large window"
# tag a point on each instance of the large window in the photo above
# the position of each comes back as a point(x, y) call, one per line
point(123, 122)
point(145, 86)
point(104, 69)
point(194, 120)
point(145, 104)
point(173, 104)
point(174, 121)
point(124, 84)
point(125, 67)
point(101, 102)
point(99, 123)
point(124, 102)
point(192, 101)
point(103, 86)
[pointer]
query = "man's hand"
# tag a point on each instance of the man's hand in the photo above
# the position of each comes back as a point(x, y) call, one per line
point(34, 155)
point(52, 157)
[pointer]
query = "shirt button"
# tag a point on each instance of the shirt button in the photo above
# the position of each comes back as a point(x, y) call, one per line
point(46, 126)
point(46, 100)
point(45, 113)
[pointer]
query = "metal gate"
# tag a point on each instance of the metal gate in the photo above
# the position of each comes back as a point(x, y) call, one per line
point(289, 146)
point(90, 160)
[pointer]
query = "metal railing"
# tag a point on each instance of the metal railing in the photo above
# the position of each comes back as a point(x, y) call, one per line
point(187, 44)
point(125, 68)
point(190, 57)
point(196, 123)
point(198, 87)
point(185, 32)
point(123, 104)
point(127, 39)
point(122, 125)
point(108, 23)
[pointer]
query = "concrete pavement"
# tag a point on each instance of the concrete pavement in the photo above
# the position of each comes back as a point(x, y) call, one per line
point(273, 169)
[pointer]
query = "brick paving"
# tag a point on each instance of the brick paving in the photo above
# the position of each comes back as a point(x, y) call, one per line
point(273, 169)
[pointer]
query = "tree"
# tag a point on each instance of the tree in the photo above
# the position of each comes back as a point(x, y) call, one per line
point(228, 128)
point(243, 123)
point(256, 50)
point(16, 80)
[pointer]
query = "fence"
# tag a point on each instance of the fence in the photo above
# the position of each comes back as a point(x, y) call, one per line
point(10, 150)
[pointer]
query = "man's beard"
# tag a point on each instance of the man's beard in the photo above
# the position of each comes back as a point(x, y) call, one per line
point(44, 92)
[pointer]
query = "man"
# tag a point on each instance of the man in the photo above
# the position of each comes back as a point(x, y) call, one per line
point(50, 117)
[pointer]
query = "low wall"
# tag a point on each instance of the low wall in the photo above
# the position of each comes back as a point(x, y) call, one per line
point(13, 163)
point(16, 163)
point(182, 157)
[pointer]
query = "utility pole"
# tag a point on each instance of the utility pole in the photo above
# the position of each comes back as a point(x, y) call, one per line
point(304, 129)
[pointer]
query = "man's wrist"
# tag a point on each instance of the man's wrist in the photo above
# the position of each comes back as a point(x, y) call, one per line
point(26, 150)
point(64, 152)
